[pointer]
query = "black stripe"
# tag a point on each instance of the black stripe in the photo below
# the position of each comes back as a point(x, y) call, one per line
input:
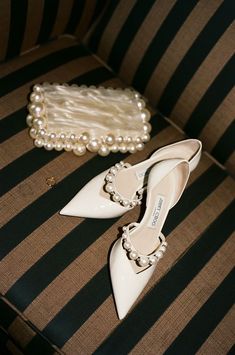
point(161, 41)
point(4, 337)
point(212, 99)
point(75, 16)
point(13, 124)
point(225, 145)
point(55, 199)
point(76, 311)
point(16, 122)
point(155, 303)
point(205, 320)
point(7, 314)
point(199, 50)
point(50, 11)
point(128, 31)
point(94, 40)
point(34, 159)
point(99, 8)
point(17, 27)
point(24, 166)
point(183, 210)
point(39, 67)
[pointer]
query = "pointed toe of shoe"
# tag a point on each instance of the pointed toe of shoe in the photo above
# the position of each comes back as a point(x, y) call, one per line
point(126, 284)
point(90, 203)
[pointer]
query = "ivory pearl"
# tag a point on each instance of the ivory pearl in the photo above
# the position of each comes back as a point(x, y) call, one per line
point(42, 133)
point(36, 109)
point(38, 122)
point(163, 248)
point(116, 197)
point(138, 140)
point(165, 243)
point(145, 115)
point(58, 146)
point(52, 136)
point(124, 228)
point(80, 150)
point(109, 177)
point(36, 97)
point(63, 136)
point(127, 139)
point(68, 147)
point(123, 148)
point(119, 139)
point(33, 132)
point(133, 255)
point(73, 137)
point(145, 137)
point(49, 146)
point(139, 146)
point(103, 151)
point(37, 88)
point(132, 148)
point(38, 143)
point(127, 245)
point(159, 254)
point(143, 261)
point(114, 148)
point(93, 145)
point(152, 260)
point(29, 120)
point(140, 104)
point(147, 127)
point(125, 203)
point(113, 170)
point(110, 139)
point(109, 188)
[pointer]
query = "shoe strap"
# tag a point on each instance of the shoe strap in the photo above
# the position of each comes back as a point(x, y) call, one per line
point(116, 196)
point(140, 259)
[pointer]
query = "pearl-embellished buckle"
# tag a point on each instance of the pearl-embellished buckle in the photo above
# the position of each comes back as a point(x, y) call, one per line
point(140, 259)
point(80, 118)
point(110, 187)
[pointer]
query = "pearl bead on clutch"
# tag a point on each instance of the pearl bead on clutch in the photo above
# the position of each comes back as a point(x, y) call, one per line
point(80, 118)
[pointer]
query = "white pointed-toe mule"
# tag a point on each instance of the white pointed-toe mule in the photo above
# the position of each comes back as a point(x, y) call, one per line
point(120, 188)
point(135, 254)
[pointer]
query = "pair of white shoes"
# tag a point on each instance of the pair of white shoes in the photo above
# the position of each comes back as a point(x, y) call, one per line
point(135, 254)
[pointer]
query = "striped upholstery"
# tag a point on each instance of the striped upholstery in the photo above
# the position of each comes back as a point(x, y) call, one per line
point(54, 282)
point(27, 23)
point(180, 55)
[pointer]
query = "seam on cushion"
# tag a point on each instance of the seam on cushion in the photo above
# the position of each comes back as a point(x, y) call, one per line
point(28, 324)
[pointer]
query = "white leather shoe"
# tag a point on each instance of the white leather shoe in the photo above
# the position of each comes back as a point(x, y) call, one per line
point(134, 256)
point(117, 190)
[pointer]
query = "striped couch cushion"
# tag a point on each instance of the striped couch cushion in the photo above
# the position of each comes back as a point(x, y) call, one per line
point(54, 282)
point(180, 55)
point(27, 23)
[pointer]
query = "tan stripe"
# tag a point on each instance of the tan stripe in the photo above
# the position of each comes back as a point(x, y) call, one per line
point(63, 15)
point(20, 143)
point(230, 164)
point(21, 332)
point(33, 24)
point(219, 122)
point(22, 61)
point(204, 77)
point(14, 147)
point(183, 40)
point(5, 18)
point(180, 312)
point(180, 240)
point(221, 339)
point(72, 277)
point(114, 27)
point(19, 97)
point(144, 37)
point(87, 14)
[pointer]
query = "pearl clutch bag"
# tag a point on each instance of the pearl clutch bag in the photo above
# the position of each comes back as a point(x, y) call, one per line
point(80, 118)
